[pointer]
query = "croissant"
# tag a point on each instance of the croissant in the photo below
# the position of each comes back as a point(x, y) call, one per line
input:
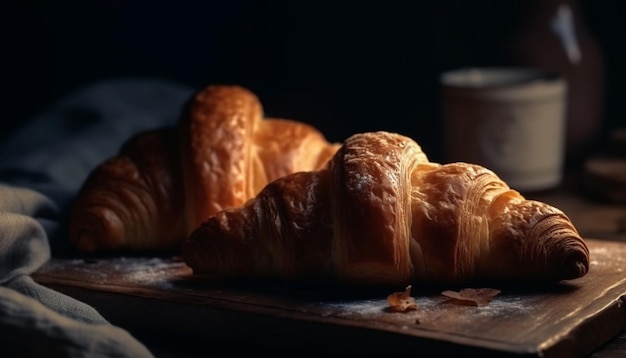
point(164, 182)
point(381, 213)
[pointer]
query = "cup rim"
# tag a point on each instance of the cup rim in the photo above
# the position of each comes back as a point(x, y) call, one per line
point(496, 77)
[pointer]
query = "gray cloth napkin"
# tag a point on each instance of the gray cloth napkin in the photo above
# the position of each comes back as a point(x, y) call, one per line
point(36, 321)
point(41, 169)
point(54, 152)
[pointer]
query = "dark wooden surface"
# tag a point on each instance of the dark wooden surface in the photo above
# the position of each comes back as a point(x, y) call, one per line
point(568, 320)
point(157, 297)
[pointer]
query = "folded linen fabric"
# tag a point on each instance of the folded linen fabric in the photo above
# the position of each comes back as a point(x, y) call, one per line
point(41, 169)
point(36, 320)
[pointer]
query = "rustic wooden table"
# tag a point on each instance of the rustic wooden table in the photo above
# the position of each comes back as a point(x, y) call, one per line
point(179, 315)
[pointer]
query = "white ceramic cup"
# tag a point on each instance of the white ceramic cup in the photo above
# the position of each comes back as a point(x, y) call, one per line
point(509, 120)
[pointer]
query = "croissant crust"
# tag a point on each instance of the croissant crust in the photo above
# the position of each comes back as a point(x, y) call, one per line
point(381, 213)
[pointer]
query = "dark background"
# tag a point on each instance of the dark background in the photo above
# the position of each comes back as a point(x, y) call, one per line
point(344, 66)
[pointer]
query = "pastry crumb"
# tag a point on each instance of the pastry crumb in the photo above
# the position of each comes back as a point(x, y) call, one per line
point(402, 301)
point(471, 296)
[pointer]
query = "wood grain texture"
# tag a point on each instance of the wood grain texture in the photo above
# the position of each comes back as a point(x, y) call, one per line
point(571, 319)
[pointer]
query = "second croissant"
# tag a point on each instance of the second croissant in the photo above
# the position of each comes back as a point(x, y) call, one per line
point(164, 182)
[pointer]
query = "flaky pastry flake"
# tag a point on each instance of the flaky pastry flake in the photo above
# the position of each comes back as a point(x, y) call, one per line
point(402, 301)
point(471, 296)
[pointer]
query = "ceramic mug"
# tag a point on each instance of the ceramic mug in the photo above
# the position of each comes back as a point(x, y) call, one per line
point(510, 120)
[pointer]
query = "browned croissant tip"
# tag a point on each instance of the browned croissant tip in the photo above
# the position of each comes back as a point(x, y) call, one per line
point(583, 268)
point(189, 250)
point(198, 253)
point(85, 242)
point(576, 265)
point(96, 227)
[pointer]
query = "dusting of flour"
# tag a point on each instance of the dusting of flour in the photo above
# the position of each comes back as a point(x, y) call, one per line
point(430, 308)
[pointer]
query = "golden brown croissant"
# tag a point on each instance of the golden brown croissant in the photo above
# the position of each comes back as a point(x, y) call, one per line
point(163, 183)
point(380, 213)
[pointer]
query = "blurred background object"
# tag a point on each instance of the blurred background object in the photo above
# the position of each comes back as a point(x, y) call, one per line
point(554, 35)
point(604, 175)
point(508, 119)
point(341, 66)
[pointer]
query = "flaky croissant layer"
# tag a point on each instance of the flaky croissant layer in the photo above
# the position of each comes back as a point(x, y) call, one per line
point(381, 213)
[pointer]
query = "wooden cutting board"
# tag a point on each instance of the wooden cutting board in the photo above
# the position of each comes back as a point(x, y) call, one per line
point(570, 319)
